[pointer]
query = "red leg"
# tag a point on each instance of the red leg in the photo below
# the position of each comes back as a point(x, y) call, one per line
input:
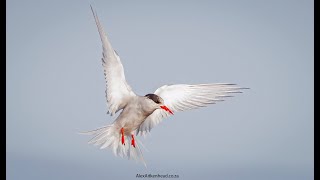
point(133, 142)
point(122, 136)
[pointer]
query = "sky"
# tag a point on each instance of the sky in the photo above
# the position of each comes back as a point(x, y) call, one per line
point(55, 87)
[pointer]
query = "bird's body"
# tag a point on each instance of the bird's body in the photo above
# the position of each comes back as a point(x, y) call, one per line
point(141, 113)
point(134, 114)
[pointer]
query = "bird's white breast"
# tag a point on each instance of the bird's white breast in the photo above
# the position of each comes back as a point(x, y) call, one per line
point(134, 114)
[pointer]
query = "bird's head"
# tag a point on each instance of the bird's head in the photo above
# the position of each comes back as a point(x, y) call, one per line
point(158, 102)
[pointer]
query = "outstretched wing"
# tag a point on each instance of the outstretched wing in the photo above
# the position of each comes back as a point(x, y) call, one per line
point(118, 92)
point(182, 97)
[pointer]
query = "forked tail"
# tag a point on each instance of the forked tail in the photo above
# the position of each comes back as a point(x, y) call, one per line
point(110, 137)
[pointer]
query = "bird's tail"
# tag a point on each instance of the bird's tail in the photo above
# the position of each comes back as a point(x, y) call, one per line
point(110, 137)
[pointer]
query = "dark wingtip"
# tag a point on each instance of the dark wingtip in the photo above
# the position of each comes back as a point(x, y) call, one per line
point(91, 8)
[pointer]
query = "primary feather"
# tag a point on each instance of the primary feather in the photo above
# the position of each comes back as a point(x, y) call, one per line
point(182, 97)
point(117, 91)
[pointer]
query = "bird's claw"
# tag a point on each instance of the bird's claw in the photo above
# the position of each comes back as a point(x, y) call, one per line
point(133, 142)
point(122, 136)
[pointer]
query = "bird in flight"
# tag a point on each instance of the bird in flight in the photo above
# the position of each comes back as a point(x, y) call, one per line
point(142, 113)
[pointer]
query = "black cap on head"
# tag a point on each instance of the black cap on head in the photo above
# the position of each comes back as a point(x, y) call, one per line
point(154, 97)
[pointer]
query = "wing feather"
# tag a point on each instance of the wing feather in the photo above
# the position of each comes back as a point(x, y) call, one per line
point(182, 97)
point(118, 92)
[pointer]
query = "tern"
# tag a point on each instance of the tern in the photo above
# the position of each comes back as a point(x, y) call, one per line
point(142, 113)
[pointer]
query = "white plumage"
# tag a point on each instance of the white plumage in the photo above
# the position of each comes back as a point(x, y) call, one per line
point(117, 90)
point(182, 97)
point(142, 113)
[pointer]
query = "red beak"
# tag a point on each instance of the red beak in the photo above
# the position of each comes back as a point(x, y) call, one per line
point(166, 109)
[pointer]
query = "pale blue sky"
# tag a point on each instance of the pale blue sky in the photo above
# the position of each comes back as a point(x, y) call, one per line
point(55, 87)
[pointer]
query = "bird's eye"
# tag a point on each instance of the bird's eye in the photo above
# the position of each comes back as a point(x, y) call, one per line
point(154, 98)
point(156, 101)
